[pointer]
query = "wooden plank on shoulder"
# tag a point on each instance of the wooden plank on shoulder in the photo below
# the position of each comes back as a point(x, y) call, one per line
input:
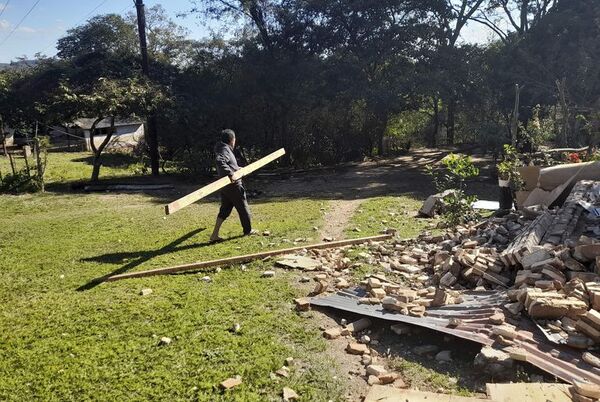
point(222, 182)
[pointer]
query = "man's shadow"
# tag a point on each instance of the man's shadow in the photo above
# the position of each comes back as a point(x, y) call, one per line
point(141, 257)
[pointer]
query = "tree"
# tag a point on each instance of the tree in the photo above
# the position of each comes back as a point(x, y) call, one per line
point(5, 78)
point(448, 56)
point(108, 34)
point(521, 15)
point(111, 99)
point(261, 14)
point(167, 42)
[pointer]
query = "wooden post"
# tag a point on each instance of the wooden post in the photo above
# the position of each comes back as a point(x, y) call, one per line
point(562, 89)
point(38, 159)
point(12, 163)
point(3, 136)
point(26, 155)
point(222, 182)
point(515, 117)
point(151, 123)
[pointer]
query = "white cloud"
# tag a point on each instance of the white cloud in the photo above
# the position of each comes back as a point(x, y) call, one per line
point(26, 30)
point(4, 25)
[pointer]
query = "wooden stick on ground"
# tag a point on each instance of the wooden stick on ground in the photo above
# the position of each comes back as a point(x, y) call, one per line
point(244, 258)
point(222, 182)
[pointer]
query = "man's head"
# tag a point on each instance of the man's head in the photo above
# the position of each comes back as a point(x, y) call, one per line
point(228, 137)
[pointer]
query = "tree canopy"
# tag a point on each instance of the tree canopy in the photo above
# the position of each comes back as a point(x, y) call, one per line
point(331, 79)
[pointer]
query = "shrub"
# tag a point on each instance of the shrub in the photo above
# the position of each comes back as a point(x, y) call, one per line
point(457, 169)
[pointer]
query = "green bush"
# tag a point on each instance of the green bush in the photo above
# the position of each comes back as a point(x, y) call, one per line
point(457, 169)
point(20, 182)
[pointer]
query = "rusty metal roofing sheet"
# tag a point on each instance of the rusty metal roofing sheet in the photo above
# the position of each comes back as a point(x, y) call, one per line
point(561, 361)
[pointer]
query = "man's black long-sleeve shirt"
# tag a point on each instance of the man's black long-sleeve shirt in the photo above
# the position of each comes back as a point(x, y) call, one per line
point(226, 162)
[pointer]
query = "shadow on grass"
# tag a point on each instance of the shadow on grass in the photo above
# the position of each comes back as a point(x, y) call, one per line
point(111, 160)
point(141, 257)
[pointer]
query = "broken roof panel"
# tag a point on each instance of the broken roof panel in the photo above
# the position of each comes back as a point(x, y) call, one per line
point(561, 361)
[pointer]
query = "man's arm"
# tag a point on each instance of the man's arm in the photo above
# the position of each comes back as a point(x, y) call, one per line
point(223, 165)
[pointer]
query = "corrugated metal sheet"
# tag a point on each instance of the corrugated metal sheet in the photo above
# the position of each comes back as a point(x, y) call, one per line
point(561, 361)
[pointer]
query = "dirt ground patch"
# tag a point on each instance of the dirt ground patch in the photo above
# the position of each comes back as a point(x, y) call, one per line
point(346, 189)
point(337, 218)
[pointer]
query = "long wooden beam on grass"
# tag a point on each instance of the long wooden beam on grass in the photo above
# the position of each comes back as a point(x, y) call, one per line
point(244, 258)
point(222, 182)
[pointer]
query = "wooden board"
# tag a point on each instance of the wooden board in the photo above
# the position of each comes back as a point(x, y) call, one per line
point(528, 392)
point(244, 258)
point(222, 182)
point(380, 393)
point(530, 176)
point(553, 176)
point(521, 197)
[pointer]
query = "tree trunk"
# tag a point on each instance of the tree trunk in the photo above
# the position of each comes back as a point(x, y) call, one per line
point(436, 124)
point(514, 131)
point(3, 134)
point(450, 122)
point(381, 143)
point(98, 151)
point(96, 167)
point(562, 89)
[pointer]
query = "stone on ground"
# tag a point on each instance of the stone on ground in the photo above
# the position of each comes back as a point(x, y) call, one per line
point(231, 382)
point(289, 394)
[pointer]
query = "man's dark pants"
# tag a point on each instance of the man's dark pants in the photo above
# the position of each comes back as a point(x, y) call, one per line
point(234, 195)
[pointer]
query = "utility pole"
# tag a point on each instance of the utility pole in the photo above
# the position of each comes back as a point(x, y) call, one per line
point(515, 117)
point(151, 135)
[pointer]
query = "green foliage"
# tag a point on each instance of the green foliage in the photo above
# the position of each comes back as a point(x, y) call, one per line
point(451, 180)
point(328, 81)
point(111, 98)
point(103, 34)
point(19, 182)
point(508, 169)
point(538, 129)
point(409, 126)
point(29, 178)
point(457, 170)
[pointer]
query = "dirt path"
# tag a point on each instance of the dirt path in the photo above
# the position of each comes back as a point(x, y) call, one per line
point(337, 218)
point(402, 175)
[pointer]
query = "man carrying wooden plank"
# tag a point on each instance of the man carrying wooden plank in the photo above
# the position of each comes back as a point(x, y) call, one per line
point(234, 194)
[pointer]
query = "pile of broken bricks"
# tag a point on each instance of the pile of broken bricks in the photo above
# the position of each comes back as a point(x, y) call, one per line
point(558, 285)
point(557, 261)
point(547, 263)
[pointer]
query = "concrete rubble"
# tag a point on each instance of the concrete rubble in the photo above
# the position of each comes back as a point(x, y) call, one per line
point(547, 262)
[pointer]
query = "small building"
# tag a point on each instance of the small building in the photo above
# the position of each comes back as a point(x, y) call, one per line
point(128, 132)
point(8, 136)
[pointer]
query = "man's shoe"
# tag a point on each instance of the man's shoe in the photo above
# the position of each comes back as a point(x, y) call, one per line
point(251, 233)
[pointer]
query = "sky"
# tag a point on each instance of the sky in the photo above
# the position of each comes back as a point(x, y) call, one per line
point(50, 20)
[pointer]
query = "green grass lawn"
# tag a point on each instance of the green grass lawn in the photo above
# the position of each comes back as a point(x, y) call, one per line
point(61, 343)
point(63, 167)
point(376, 214)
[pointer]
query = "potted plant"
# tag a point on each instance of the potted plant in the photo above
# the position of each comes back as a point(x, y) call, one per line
point(509, 178)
